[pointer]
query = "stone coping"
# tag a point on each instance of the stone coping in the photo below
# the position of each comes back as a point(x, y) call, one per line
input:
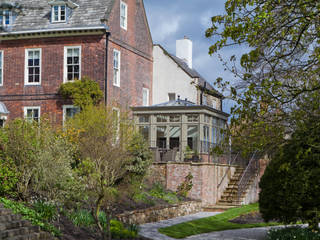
point(196, 164)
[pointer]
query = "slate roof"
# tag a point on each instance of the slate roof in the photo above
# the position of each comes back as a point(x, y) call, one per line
point(36, 14)
point(178, 102)
point(191, 72)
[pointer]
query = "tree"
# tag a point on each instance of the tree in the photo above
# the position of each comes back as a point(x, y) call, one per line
point(105, 144)
point(290, 186)
point(83, 92)
point(279, 77)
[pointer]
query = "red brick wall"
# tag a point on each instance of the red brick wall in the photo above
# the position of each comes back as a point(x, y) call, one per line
point(135, 45)
point(16, 95)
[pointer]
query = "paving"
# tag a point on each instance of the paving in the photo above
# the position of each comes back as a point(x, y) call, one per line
point(150, 230)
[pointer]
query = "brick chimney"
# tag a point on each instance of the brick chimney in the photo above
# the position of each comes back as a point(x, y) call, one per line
point(184, 50)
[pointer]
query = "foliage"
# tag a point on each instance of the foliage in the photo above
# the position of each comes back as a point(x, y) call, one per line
point(290, 185)
point(43, 160)
point(278, 78)
point(84, 218)
point(103, 143)
point(31, 215)
point(218, 222)
point(185, 187)
point(159, 192)
point(84, 92)
point(47, 211)
point(8, 177)
point(290, 233)
point(141, 156)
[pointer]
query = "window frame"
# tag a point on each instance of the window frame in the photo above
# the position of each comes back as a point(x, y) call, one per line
point(125, 26)
point(26, 67)
point(64, 108)
point(1, 67)
point(3, 23)
point(147, 91)
point(65, 63)
point(25, 112)
point(59, 13)
point(116, 84)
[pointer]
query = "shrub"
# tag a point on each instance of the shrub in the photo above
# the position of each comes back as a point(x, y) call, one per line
point(290, 233)
point(8, 177)
point(290, 185)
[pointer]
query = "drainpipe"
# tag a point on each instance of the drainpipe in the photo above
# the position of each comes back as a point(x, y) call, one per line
point(201, 94)
point(106, 69)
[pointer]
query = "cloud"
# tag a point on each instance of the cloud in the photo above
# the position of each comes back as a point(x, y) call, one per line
point(166, 26)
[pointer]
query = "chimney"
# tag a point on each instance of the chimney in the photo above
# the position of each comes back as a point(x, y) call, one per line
point(184, 50)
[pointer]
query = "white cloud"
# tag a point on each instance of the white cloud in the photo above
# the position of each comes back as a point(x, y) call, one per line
point(165, 26)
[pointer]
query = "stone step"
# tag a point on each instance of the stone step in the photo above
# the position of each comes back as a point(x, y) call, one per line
point(34, 236)
point(229, 203)
point(5, 211)
point(217, 208)
point(7, 234)
point(9, 218)
point(14, 224)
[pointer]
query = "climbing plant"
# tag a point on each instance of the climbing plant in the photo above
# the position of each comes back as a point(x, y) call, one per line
point(84, 92)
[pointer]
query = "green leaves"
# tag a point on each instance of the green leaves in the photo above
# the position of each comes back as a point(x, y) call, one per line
point(84, 92)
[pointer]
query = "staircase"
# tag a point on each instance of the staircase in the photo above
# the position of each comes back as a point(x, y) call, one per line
point(12, 227)
point(230, 194)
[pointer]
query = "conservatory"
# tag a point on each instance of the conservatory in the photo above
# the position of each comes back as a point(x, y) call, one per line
point(181, 130)
point(3, 114)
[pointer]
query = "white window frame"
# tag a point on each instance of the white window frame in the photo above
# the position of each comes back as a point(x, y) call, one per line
point(65, 107)
point(25, 111)
point(1, 67)
point(145, 90)
point(117, 84)
point(125, 25)
point(65, 63)
point(26, 72)
point(4, 17)
point(59, 13)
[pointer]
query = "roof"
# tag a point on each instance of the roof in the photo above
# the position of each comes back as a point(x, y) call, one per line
point(3, 108)
point(192, 72)
point(179, 104)
point(37, 14)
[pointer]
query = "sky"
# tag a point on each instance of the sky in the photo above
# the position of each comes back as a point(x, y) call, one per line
point(170, 20)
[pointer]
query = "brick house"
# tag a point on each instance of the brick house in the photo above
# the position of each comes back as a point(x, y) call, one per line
point(46, 43)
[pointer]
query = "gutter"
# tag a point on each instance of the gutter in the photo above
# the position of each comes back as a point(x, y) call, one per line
point(102, 27)
point(106, 69)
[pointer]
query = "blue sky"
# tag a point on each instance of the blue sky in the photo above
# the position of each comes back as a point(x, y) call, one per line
point(170, 20)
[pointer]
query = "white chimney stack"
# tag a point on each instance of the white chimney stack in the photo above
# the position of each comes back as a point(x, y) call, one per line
point(184, 50)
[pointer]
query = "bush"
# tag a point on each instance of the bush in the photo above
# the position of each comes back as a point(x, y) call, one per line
point(290, 185)
point(290, 233)
point(8, 177)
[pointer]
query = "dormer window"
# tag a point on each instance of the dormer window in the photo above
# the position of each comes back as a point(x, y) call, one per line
point(5, 18)
point(59, 13)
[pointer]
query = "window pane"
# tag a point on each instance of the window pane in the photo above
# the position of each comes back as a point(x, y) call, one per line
point(174, 137)
point(76, 60)
point(192, 137)
point(143, 119)
point(162, 118)
point(161, 138)
point(145, 132)
point(69, 53)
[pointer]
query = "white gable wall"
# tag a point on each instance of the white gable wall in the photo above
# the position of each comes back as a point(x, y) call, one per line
point(168, 77)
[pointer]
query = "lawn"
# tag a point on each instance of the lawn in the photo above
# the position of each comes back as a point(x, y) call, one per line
point(218, 222)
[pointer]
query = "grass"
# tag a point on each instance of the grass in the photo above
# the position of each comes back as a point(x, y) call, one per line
point(218, 222)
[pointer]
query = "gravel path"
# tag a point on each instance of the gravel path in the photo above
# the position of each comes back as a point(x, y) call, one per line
point(150, 230)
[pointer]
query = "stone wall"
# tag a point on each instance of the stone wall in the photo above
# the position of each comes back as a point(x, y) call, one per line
point(254, 190)
point(159, 213)
point(209, 180)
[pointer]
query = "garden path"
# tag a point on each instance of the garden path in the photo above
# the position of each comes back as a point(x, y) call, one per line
point(150, 230)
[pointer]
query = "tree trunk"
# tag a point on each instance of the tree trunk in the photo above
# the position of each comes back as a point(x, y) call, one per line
point(95, 214)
